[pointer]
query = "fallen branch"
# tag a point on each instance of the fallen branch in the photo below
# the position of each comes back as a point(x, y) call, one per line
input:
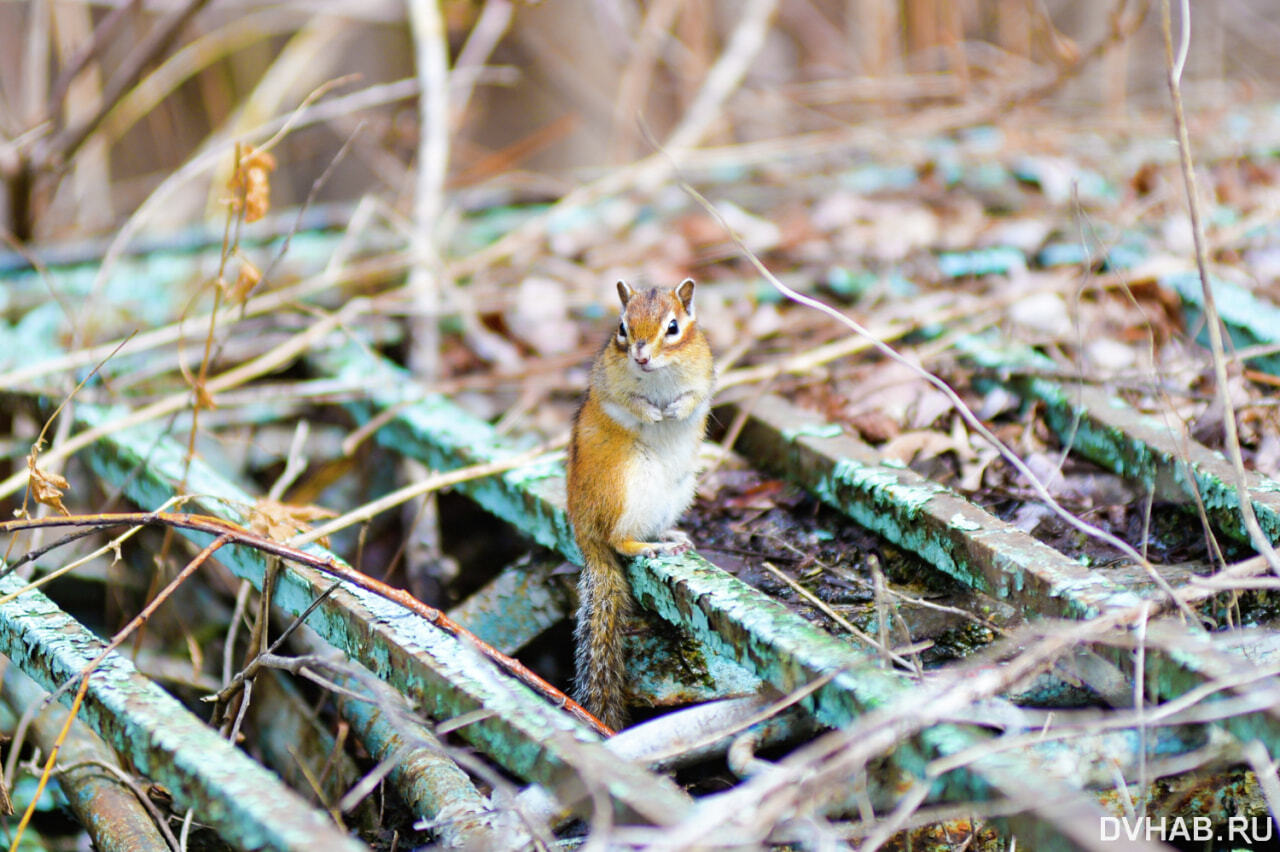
point(328, 565)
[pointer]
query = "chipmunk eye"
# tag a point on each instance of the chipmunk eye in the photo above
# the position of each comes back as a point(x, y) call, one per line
point(673, 328)
point(622, 330)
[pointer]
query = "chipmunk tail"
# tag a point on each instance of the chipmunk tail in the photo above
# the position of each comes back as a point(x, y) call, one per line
point(604, 602)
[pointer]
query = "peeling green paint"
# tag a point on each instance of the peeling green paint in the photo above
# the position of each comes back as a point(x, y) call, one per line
point(729, 617)
point(927, 518)
point(1133, 445)
point(998, 260)
point(1240, 660)
point(245, 803)
point(434, 787)
point(549, 468)
point(1249, 319)
point(514, 607)
point(441, 673)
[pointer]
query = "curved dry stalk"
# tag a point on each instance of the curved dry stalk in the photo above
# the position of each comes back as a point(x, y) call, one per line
point(265, 363)
point(725, 75)
point(488, 30)
point(63, 145)
point(102, 34)
point(432, 483)
point(160, 199)
point(267, 303)
point(184, 63)
point(633, 86)
point(327, 565)
point(121, 635)
point(303, 64)
point(644, 175)
point(971, 420)
point(47, 773)
point(112, 546)
point(1212, 323)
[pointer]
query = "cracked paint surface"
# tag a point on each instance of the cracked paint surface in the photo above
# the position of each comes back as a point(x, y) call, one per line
point(246, 803)
point(929, 519)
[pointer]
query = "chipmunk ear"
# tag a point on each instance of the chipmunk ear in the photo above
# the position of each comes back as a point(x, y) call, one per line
point(625, 292)
point(685, 293)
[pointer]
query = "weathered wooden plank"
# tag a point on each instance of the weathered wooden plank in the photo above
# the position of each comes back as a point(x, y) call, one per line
point(966, 542)
point(522, 601)
point(1103, 427)
point(723, 613)
point(244, 803)
point(106, 807)
point(445, 677)
point(433, 786)
point(514, 607)
point(956, 536)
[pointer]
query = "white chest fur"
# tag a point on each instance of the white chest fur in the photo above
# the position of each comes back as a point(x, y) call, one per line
point(661, 474)
point(660, 478)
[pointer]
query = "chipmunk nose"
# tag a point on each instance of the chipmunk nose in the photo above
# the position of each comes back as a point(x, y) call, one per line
point(639, 353)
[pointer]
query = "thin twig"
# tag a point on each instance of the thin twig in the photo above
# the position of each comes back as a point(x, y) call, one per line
point(725, 76)
point(238, 375)
point(113, 545)
point(434, 482)
point(327, 565)
point(965, 412)
point(147, 611)
point(159, 201)
point(233, 684)
point(485, 34)
point(48, 766)
point(879, 646)
point(64, 144)
point(102, 35)
point(428, 276)
point(1213, 323)
point(160, 820)
point(648, 173)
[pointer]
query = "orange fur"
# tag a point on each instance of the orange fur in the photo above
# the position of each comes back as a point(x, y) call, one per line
point(631, 470)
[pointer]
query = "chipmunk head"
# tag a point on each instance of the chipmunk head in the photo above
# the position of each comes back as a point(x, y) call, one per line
point(655, 324)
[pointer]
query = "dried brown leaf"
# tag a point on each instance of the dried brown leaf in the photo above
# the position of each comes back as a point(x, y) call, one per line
point(920, 445)
point(875, 426)
point(251, 183)
point(246, 280)
point(47, 488)
point(282, 521)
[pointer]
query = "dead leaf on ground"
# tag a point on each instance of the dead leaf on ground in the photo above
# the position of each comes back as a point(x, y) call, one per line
point(875, 426)
point(921, 445)
point(282, 521)
point(763, 496)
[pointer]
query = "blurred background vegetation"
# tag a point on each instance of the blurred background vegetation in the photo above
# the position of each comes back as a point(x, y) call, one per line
point(101, 101)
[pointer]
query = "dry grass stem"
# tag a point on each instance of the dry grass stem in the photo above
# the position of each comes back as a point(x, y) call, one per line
point(270, 361)
point(434, 482)
point(1213, 323)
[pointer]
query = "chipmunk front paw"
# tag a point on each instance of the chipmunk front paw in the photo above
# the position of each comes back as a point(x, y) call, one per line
point(680, 407)
point(646, 410)
point(673, 543)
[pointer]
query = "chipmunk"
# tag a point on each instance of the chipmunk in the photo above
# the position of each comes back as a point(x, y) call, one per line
point(631, 473)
